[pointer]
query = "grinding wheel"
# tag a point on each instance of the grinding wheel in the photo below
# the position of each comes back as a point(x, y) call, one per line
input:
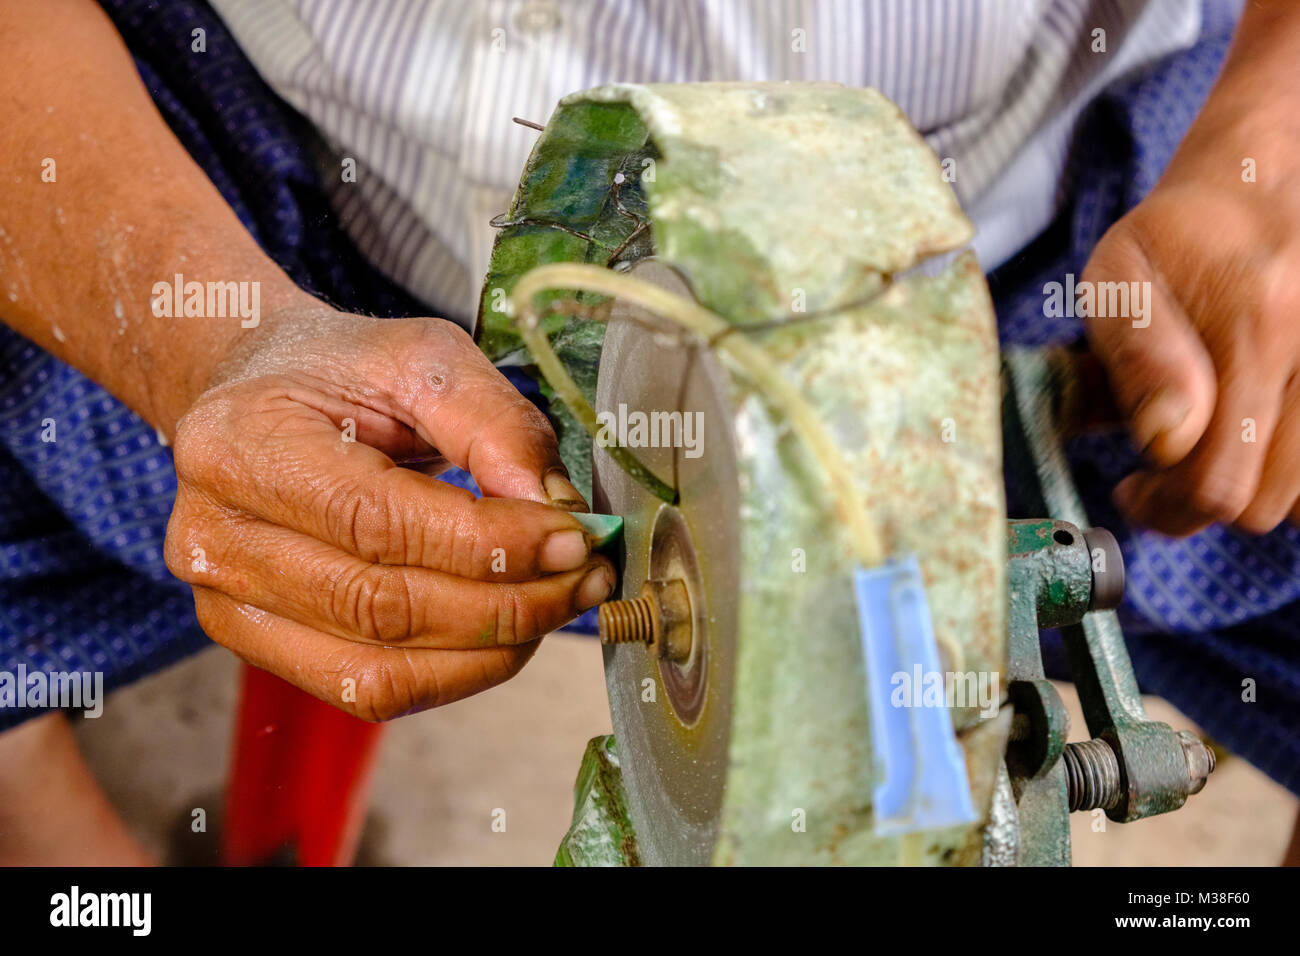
point(724, 755)
point(671, 720)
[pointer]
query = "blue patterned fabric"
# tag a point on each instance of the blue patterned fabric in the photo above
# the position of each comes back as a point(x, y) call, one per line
point(82, 580)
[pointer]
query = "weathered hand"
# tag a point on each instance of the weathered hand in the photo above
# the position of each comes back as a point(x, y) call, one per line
point(1209, 386)
point(375, 587)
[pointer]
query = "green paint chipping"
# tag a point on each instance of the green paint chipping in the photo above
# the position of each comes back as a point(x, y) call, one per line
point(1026, 536)
point(1057, 592)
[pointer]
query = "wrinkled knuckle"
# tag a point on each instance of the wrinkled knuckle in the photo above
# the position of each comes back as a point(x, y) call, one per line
point(533, 418)
point(179, 552)
point(441, 330)
point(513, 416)
point(465, 548)
point(519, 426)
point(180, 562)
point(1220, 498)
point(509, 664)
point(348, 509)
point(191, 453)
point(375, 603)
point(1118, 252)
point(339, 509)
point(201, 445)
point(183, 454)
point(388, 689)
point(208, 615)
point(430, 336)
point(373, 525)
point(440, 543)
point(382, 534)
point(174, 550)
point(516, 620)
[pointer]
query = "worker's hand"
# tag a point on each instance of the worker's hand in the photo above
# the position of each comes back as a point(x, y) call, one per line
point(375, 587)
point(1209, 386)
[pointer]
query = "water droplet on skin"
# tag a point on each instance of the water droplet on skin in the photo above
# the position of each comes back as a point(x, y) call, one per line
point(58, 335)
point(117, 308)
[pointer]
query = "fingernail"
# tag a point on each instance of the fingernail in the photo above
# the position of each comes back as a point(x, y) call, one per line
point(595, 587)
point(562, 493)
point(563, 551)
point(1162, 412)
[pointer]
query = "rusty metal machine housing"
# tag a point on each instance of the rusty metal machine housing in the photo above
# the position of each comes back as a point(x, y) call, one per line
point(811, 220)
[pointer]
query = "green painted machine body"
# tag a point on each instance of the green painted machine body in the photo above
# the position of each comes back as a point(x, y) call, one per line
point(1158, 767)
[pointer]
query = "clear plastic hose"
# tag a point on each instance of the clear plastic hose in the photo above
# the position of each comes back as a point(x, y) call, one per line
point(746, 356)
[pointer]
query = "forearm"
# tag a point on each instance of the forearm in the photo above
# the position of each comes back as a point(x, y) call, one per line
point(85, 239)
point(1253, 110)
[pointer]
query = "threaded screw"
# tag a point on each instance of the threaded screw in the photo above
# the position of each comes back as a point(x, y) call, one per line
point(660, 616)
point(1092, 775)
point(632, 621)
point(1093, 779)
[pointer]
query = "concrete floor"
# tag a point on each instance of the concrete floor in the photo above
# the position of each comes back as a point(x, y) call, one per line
point(161, 751)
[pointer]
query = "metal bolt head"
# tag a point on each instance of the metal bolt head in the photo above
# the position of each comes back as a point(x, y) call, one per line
point(676, 620)
point(659, 616)
point(1200, 760)
point(1107, 569)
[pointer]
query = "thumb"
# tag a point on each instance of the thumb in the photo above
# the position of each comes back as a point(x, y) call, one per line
point(1160, 370)
point(471, 413)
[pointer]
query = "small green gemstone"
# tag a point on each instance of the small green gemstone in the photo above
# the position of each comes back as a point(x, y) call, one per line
point(603, 529)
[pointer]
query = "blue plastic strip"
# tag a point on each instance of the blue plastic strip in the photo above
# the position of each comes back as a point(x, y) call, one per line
point(920, 770)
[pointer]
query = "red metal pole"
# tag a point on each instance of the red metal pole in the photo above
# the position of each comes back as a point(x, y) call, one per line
point(299, 779)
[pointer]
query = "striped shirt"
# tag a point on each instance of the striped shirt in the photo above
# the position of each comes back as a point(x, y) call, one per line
point(419, 94)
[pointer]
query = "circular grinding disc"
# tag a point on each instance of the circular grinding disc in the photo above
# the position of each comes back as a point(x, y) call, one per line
point(671, 721)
